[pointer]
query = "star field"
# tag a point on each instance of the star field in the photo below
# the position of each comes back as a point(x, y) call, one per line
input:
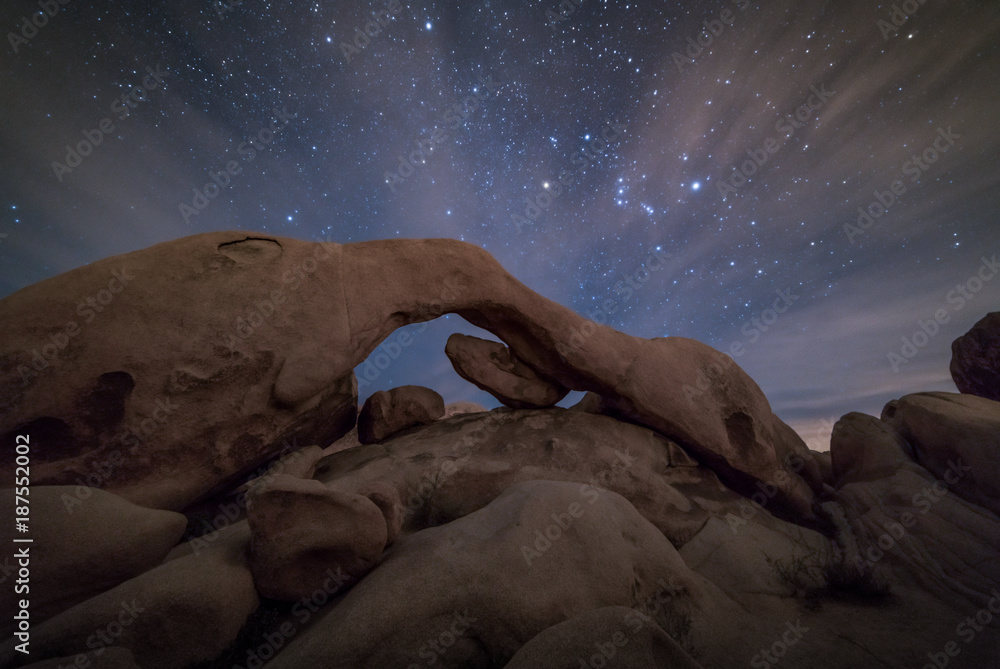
point(672, 169)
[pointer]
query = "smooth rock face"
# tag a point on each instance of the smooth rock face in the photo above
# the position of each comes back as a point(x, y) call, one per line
point(85, 541)
point(613, 636)
point(956, 438)
point(863, 448)
point(301, 529)
point(196, 361)
point(185, 611)
point(222, 346)
point(975, 359)
point(492, 367)
point(507, 549)
point(458, 465)
point(387, 412)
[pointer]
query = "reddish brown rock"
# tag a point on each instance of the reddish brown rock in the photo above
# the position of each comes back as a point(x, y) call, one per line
point(975, 359)
point(218, 348)
point(301, 530)
point(492, 367)
point(387, 412)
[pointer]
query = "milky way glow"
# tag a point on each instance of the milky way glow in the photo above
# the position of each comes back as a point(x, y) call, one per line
point(817, 182)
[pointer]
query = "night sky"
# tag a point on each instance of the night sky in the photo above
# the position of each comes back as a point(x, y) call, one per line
point(685, 167)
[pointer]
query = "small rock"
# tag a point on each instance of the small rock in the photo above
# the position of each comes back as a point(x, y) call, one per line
point(301, 529)
point(387, 412)
point(492, 367)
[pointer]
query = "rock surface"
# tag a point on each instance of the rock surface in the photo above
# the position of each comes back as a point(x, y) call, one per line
point(613, 636)
point(271, 332)
point(509, 549)
point(185, 611)
point(975, 359)
point(492, 367)
point(863, 448)
point(386, 412)
point(85, 541)
point(301, 529)
point(956, 438)
point(459, 465)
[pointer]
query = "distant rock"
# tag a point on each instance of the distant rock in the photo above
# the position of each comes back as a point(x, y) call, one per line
point(459, 408)
point(387, 412)
point(301, 529)
point(863, 448)
point(955, 437)
point(492, 367)
point(975, 359)
point(85, 541)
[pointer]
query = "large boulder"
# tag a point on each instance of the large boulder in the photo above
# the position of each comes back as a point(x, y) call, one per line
point(863, 448)
point(300, 529)
point(85, 541)
point(612, 636)
point(956, 438)
point(387, 412)
point(458, 465)
point(184, 612)
point(196, 359)
point(492, 367)
point(545, 552)
point(975, 359)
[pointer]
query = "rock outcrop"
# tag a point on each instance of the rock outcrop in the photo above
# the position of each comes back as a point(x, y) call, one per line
point(387, 412)
point(85, 541)
point(863, 448)
point(956, 438)
point(491, 367)
point(223, 346)
point(975, 359)
point(301, 529)
point(669, 519)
